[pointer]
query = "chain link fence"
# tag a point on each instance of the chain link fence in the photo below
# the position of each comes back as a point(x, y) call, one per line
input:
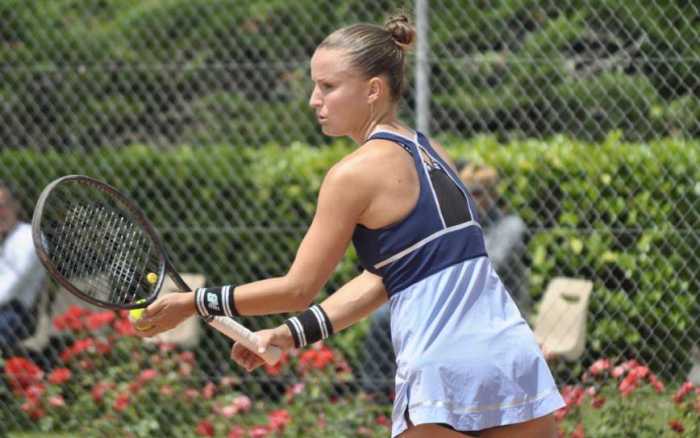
point(588, 111)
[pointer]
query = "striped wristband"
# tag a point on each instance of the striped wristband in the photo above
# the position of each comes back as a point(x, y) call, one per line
point(215, 301)
point(309, 327)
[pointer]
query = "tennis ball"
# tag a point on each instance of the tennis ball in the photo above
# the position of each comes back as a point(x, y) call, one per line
point(136, 314)
point(152, 277)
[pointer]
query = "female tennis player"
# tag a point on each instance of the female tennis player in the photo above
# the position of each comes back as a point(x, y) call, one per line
point(467, 362)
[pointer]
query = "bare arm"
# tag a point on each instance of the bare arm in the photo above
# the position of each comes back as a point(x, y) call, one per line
point(345, 193)
point(351, 303)
point(325, 243)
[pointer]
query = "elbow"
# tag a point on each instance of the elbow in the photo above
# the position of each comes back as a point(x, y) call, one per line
point(301, 295)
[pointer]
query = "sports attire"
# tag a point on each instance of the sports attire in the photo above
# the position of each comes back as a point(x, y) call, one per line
point(465, 357)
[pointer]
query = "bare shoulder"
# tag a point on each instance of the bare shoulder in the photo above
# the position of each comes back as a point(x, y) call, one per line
point(373, 159)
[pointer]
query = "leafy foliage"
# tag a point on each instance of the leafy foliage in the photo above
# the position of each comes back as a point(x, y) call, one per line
point(618, 213)
point(116, 72)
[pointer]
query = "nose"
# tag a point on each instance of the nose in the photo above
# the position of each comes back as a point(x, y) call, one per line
point(315, 100)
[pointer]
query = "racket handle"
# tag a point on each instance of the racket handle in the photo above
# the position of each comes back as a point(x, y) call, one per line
point(240, 333)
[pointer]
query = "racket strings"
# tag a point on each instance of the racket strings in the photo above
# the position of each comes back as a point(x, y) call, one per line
point(98, 245)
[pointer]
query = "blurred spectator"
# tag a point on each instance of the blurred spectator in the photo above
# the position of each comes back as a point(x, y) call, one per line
point(21, 274)
point(505, 235)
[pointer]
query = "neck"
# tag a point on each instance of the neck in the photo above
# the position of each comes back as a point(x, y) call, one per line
point(6, 229)
point(384, 120)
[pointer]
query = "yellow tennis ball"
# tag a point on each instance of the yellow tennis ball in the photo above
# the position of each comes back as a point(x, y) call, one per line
point(152, 277)
point(136, 314)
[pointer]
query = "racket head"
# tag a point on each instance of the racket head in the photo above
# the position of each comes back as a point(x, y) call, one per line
point(98, 244)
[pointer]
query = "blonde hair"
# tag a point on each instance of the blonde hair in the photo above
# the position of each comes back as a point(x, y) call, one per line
point(478, 176)
point(374, 50)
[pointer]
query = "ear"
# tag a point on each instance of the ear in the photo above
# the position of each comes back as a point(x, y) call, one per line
point(376, 89)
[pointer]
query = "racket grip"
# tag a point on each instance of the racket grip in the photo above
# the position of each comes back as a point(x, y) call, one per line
point(240, 333)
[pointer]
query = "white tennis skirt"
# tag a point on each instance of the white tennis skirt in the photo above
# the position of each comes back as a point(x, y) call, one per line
point(464, 354)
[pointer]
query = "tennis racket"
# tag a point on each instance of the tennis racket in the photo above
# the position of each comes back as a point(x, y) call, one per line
point(99, 245)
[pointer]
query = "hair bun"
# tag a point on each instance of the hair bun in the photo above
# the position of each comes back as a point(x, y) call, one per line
point(401, 31)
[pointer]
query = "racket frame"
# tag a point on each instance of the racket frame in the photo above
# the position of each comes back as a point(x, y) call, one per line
point(138, 215)
point(230, 327)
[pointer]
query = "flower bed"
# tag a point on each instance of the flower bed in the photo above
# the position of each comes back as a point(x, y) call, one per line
point(109, 382)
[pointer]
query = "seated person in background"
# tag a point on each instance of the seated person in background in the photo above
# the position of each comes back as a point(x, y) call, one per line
point(21, 274)
point(504, 235)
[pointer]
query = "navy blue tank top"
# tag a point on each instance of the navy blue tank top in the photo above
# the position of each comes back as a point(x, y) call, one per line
point(434, 235)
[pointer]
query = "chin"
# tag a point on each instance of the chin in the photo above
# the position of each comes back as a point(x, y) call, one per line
point(327, 130)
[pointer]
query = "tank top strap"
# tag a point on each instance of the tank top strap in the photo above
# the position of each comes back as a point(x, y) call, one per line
point(404, 142)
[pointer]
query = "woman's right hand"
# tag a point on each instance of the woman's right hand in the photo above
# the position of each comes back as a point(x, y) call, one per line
point(280, 337)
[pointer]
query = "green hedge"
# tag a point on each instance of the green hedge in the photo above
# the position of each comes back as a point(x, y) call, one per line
point(624, 215)
point(115, 72)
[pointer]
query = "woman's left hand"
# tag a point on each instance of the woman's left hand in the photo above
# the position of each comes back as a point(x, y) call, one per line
point(165, 313)
point(279, 337)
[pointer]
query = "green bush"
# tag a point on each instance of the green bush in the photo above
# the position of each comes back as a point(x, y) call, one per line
point(190, 71)
point(622, 214)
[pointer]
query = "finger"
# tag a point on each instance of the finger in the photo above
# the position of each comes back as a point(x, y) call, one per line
point(153, 311)
point(148, 330)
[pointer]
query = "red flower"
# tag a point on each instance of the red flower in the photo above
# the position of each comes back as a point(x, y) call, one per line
point(227, 411)
point(617, 371)
point(71, 320)
point(276, 369)
point(684, 390)
point(236, 432)
point(383, 420)
point(98, 391)
point(317, 358)
point(640, 371)
point(364, 431)
point(278, 419)
point(598, 402)
point(166, 347)
point(187, 357)
point(167, 390)
point(561, 413)
point(578, 432)
point(599, 366)
point(98, 320)
point(191, 394)
point(294, 390)
point(656, 383)
point(573, 395)
point(33, 409)
point(208, 391)
point(59, 376)
point(34, 392)
point(185, 369)
point(122, 402)
point(628, 384)
point(71, 351)
point(205, 428)
point(22, 373)
point(259, 431)
point(676, 426)
point(242, 403)
point(124, 327)
point(57, 401)
point(147, 375)
point(628, 365)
